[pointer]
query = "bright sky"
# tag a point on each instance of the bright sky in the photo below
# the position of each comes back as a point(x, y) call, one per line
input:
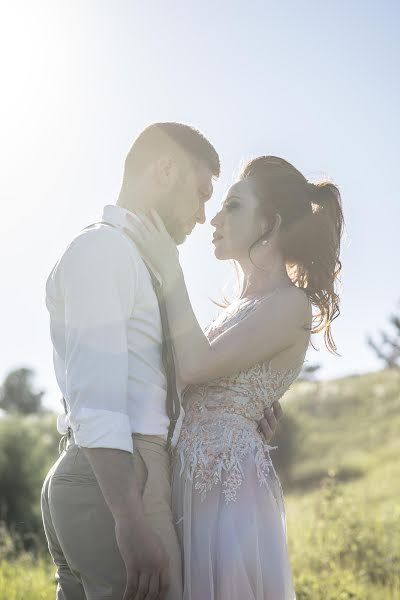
point(314, 82)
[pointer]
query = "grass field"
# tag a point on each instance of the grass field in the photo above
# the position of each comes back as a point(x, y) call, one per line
point(342, 497)
point(344, 501)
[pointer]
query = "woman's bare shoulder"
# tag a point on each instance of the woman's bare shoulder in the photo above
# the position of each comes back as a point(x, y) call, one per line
point(291, 304)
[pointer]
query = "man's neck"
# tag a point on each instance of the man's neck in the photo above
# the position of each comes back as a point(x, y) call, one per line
point(127, 202)
point(133, 197)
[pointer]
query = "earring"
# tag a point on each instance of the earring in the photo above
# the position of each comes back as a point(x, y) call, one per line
point(264, 242)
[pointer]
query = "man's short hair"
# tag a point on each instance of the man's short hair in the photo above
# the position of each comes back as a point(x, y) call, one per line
point(155, 139)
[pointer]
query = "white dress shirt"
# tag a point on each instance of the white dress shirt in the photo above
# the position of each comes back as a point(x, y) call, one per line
point(106, 332)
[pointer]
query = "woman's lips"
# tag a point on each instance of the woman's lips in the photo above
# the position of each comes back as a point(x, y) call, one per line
point(217, 237)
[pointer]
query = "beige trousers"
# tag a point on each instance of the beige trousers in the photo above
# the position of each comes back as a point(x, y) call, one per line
point(80, 529)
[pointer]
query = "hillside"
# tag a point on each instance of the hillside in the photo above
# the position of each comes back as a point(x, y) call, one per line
point(350, 425)
point(343, 493)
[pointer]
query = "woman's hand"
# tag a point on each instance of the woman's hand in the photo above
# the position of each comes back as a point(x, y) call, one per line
point(156, 246)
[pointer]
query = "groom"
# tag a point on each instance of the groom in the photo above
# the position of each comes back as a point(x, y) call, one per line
point(106, 501)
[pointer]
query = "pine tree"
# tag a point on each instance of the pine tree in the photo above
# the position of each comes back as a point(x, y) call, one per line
point(388, 349)
point(308, 372)
point(17, 394)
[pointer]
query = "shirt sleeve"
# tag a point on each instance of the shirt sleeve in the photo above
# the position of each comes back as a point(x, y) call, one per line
point(99, 281)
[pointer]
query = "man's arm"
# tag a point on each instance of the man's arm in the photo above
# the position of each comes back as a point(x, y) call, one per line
point(145, 558)
point(99, 282)
point(270, 421)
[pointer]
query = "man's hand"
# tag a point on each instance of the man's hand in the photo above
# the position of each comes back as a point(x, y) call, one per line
point(269, 423)
point(145, 559)
point(144, 556)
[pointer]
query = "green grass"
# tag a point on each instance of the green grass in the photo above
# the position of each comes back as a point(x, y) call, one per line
point(342, 496)
point(25, 577)
point(344, 526)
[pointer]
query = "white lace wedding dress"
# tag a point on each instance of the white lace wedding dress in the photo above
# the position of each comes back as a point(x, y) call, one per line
point(227, 499)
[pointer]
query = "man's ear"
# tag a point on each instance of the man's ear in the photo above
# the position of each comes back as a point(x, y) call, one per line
point(166, 172)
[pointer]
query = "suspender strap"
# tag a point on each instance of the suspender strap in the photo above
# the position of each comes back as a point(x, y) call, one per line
point(173, 402)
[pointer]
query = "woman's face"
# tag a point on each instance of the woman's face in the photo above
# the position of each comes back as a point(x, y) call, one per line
point(239, 223)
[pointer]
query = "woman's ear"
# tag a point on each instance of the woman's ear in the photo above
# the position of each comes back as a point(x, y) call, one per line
point(274, 230)
point(270, 232)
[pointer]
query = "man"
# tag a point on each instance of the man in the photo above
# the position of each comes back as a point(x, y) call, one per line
point(106, 502)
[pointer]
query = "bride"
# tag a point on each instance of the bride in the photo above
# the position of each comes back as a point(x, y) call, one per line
point(284, 232)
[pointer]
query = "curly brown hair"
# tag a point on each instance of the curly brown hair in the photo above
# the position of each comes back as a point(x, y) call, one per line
point(310, 233)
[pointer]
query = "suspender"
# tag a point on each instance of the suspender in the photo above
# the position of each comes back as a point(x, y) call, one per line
point(173, 401)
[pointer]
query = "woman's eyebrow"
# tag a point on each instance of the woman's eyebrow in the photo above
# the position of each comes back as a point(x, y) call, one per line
point(230, 198)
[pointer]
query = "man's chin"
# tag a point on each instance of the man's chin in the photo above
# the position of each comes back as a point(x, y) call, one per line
point(179, 237)
point(176, 232)
point(180, 233)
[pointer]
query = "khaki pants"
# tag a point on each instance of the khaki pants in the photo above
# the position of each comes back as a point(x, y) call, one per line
point(80, 529)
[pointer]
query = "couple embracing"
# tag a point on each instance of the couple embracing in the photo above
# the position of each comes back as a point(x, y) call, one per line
point(165, 488)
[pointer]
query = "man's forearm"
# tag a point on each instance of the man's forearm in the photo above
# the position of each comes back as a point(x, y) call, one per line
point(115, 475)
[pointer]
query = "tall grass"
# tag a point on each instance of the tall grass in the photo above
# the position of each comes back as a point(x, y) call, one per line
point(343, 501)
point(23, 575)
point(341, 547)
point(26, 578)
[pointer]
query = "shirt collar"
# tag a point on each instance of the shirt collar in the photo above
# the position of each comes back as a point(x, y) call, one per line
point(117, 216)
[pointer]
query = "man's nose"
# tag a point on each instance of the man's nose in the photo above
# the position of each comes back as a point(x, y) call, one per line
point(201, 215)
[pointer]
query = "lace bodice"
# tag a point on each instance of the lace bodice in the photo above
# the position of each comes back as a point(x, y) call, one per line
point(220, 426)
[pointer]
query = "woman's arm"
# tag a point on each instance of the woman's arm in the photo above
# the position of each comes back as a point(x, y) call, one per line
point(270, 328)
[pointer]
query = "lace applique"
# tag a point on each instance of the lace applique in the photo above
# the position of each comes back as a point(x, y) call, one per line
point(220, 426)
point(213, 448)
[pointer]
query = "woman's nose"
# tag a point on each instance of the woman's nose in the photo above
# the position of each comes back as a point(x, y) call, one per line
point(216, 221)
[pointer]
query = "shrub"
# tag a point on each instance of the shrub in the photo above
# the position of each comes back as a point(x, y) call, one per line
point(28, 446)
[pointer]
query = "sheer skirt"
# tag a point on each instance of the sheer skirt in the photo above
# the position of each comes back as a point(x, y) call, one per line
point(233, 550)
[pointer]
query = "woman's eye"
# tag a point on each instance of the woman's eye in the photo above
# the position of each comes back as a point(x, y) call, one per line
point(231, 205)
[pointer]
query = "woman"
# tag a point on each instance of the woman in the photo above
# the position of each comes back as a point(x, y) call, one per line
point(285, 233)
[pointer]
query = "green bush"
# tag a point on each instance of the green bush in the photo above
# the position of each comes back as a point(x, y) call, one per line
point(28, 446)
point(286, 440)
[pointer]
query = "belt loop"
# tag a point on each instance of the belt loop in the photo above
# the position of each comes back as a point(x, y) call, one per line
point(62, 446)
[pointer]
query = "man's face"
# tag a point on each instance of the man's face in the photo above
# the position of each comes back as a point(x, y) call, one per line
point(186, 205)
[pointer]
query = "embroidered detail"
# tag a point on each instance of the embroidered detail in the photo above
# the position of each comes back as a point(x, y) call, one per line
point(213, 448)
point(220, 426)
